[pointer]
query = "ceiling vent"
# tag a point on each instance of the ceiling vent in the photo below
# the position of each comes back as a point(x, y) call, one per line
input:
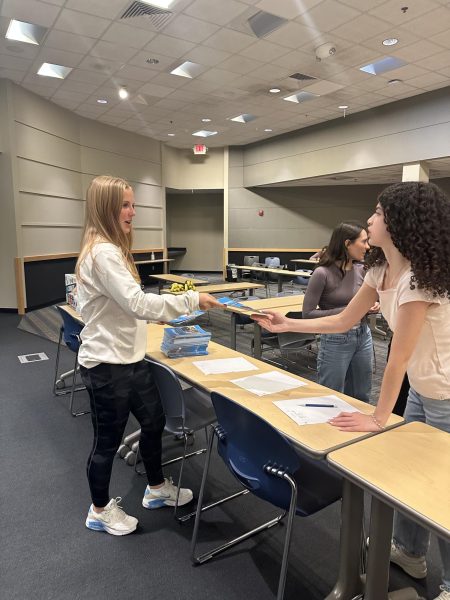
point(302, 77)
point(157, 16)
point(262, 23)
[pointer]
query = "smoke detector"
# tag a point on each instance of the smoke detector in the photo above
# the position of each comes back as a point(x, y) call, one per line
point(325, 51)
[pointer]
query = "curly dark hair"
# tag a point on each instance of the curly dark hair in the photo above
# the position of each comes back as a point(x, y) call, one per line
point(417, 216)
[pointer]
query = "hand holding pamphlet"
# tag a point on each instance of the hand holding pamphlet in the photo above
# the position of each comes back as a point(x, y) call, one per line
point(235, 304)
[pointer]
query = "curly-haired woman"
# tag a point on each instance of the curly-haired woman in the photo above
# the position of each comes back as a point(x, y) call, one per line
point(344, 362)
point(410, 272)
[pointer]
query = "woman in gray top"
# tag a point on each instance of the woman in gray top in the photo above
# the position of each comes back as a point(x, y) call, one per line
point(344, 362)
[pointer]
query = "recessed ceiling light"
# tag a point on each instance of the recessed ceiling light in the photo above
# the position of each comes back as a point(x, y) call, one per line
point(152, 61)
point(274, 90)
point(25, 32)
point(171, 134)
point(158, 3)
point(383, 65)
point(206, 120)
point(343, 106)
point(244, 118)
point(394, 81)
point(102, 101)
point(301, 97)
point(187, 69)
point(267, 130)
point(57, 71)
point(204, 133)
point(390, 42)
point(123, 93)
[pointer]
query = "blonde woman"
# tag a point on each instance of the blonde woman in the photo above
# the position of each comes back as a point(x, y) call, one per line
point(115, 309)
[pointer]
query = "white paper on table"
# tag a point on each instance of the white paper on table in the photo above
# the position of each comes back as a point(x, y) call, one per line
point(311, 415)
point(224, 365)
point(268, 383)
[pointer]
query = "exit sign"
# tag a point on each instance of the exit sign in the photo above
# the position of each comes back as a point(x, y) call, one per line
point(200, 149)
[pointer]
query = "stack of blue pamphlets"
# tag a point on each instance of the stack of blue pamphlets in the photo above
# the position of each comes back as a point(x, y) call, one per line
point(187, 318)
point(190, 340)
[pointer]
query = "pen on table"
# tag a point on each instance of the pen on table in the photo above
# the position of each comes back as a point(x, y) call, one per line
point(321, 405)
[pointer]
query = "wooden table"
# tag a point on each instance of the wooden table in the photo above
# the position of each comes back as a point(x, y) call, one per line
point(169, 278)
point(153, 261)
point(224, 288)
point(316, 440)
point(282, 304)
point(280, 273)
point(309, 261)
point(407, 469)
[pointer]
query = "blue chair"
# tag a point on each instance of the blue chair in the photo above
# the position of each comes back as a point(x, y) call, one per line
point(69, 332)
point(268, 466)
point(186, 410)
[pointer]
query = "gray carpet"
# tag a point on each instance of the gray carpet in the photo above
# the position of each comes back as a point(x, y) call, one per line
point(48, 554)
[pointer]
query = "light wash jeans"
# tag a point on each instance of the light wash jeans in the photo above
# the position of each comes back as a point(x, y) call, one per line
point(344, 362)
point(408, 535)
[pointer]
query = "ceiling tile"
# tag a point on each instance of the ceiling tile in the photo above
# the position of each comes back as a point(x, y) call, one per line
point(62, 40)
point(428, 79)
point(392, 11)
point(156, 90)
point(12, 74)
point(432, 23)
point(240, 64)
point(264, 50)
point(217, 76)
point(288, 9)
point(216, 11)
point(126, 35)
point(435, 62)
point(294, 35)
point(203, 55)
point(270, 73)
point(109, 9)
point(328, 15)
point(112, 51)
point(404, 37)
point(58, 57)
point(15, 62)
point(137, 73)
point(361, 28)
point(169, 46)
point(85, 76)
point(418, 51)
point(229, 40)
point(30, 11)
point(443, 39)
point(188, 28)
point(81, 24)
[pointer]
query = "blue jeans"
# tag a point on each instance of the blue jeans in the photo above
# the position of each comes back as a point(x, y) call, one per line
point(344, 362)
point(408, 535)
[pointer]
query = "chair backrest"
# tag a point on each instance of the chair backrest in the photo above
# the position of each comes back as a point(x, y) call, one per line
point(71, 329)
point(248, 444)
point(171, 394)
point(249, 260)
point(294, 339)
point(272, 262)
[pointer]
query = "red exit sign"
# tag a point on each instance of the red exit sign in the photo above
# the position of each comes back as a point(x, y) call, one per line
point(200, 149)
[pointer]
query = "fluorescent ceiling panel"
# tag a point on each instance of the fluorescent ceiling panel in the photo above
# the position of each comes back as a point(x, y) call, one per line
point(57, 71)
point(25, 32)
point(244, 118)
point(382, 66)
point(204, 133)
point(158, 3)
point(187, 69)
point(301, 97)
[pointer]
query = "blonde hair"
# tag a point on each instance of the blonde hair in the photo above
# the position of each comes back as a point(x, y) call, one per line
point(104, 199)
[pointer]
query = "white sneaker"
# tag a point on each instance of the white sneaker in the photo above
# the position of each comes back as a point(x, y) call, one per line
point(415, 566)
point(165, 495)
point(444, 595)
point(113, 519)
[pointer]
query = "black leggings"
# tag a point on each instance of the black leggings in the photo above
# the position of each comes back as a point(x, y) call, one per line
point(115, 391)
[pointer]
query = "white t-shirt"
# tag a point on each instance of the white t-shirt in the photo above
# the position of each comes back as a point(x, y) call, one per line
point(115, 309)
point(429, 365)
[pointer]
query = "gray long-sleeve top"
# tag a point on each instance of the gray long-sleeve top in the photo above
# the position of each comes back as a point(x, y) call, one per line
point(331, 291)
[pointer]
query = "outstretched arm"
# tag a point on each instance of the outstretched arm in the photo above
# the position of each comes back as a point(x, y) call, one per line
point(410, 320)
point(352, 314)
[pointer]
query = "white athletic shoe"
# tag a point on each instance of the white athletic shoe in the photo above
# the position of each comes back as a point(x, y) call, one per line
point(415, 566)
point(165, 495)
point(113, 519)
point(444, 595)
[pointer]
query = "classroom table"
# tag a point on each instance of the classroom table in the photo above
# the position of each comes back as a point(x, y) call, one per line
point(316, 440)
point(291, 303)
point(407, 469)
point(224, 288)
point(169, 278)
point(280, 273)
point(308, 261)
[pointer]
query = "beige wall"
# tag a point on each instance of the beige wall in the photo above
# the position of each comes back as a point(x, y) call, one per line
point(182, 170)
point(195, 221)
point(55, 154)
point(411, 130)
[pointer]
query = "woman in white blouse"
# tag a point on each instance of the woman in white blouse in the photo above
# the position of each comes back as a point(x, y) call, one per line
point(115, 310)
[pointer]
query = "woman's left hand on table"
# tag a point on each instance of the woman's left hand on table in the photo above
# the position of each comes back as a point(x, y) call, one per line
point(354, 421)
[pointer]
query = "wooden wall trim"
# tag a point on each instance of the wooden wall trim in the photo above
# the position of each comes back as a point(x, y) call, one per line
point(75, 254)
point(20, 291)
